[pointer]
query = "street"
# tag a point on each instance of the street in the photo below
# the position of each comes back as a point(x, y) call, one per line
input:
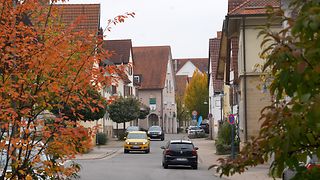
point(141, 166)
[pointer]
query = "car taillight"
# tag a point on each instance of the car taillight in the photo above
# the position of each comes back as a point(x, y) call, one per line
point(168, 152)
point(194, 152)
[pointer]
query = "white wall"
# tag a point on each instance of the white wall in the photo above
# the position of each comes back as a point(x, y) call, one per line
point(187, 69)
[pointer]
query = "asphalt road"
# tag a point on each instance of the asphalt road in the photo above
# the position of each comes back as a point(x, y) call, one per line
point(140, 166)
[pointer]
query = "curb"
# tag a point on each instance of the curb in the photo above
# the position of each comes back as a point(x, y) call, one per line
point(100, 156)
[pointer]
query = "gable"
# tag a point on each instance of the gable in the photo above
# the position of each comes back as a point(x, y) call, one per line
point(150, 62)
point(187, 69)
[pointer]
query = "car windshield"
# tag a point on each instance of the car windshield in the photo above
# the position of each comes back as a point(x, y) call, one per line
point(133, 128)
point(137, 136)
point(178, 146)
point(155, 128)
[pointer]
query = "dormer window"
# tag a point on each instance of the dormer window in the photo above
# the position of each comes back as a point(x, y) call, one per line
point(136, 80)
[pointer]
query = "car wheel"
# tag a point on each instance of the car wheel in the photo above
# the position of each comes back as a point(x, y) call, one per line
point(147, 151)
point(162, 138)
point(165, 165)
point(125, 151)
point(195, 166)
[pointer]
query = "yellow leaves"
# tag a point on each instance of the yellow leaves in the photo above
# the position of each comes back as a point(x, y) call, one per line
point(28, 177)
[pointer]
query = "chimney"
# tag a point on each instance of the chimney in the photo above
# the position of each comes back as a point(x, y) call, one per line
point(219, 33)
point(232, 4)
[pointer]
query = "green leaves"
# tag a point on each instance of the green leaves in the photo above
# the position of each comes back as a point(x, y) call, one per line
point(124, 109)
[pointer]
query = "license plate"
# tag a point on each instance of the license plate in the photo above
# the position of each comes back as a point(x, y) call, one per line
point(136, 147)
point(181, 159)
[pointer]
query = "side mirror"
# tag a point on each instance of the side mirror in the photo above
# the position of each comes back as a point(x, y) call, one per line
point(124, 138)
point(196, 148)
point(162, 147)
point(149, 138)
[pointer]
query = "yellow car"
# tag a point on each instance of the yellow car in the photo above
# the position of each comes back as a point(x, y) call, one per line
point(137, 141)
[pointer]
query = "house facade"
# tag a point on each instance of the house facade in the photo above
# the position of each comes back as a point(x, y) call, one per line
point(122, 58)
point(154, 77)
point(215, 86)
point(239, 55)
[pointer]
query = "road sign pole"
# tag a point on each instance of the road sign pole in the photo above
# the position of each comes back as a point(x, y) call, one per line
point(232, 141)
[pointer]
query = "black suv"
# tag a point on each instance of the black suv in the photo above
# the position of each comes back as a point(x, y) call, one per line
point(180, 152)
point(155, 132)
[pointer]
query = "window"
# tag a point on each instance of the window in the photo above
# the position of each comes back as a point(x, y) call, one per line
point(113, 89)
point(136, 80)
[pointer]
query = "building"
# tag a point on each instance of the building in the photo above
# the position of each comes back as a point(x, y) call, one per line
point(154, 77)
point(215, 85)
point(122, 58)
point(239, 55)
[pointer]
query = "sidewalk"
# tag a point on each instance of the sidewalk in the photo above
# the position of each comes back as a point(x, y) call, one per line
point(102, 151)
point(207, 157)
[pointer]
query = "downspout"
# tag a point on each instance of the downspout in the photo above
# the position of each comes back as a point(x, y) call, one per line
point(245, 80)
point(161, 112)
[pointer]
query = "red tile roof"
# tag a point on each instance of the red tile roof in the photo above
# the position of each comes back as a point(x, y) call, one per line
point(88, 13)
point(214, 49)
point(151, 63)
point(254, 7)
point(200, 63)
point(120, 49)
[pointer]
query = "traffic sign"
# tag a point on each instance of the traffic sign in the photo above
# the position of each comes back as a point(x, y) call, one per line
point(231, 119)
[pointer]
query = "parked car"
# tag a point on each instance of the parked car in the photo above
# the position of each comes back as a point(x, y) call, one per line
point(180, 152)
point(132, 128)
point(195, 131)
point(137, 141)
point(311, 162)
point(155, 132)
point(205, 127)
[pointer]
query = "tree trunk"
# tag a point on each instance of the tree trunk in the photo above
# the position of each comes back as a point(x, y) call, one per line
point(117, 131)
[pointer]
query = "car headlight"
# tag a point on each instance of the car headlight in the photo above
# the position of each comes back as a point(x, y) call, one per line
point(144, 143)
point(160, 132)
point(127, 142)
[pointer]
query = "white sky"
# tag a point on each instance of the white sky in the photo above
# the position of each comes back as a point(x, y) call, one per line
point(185, 25)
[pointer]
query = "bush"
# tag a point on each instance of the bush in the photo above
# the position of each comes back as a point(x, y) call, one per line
point(102, 138)
point(223, 143)
point(222, 149)
point(121, 136)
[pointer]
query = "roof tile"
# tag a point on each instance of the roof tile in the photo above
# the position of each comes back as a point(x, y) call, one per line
point(151, 63)
point(89, 15)
point(254, 7)
point(120, 50)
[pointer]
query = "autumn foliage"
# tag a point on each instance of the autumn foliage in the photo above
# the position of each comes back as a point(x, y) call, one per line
point(45, 65)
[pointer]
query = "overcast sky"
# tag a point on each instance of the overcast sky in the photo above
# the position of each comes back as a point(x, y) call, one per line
point(185, 25)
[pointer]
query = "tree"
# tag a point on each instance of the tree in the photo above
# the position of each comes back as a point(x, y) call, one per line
point(123, 110)
point(182, 112)
point(197, 94)
point(96, 107)
point(144, 111)
point(290, 130)
point(44, 66)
